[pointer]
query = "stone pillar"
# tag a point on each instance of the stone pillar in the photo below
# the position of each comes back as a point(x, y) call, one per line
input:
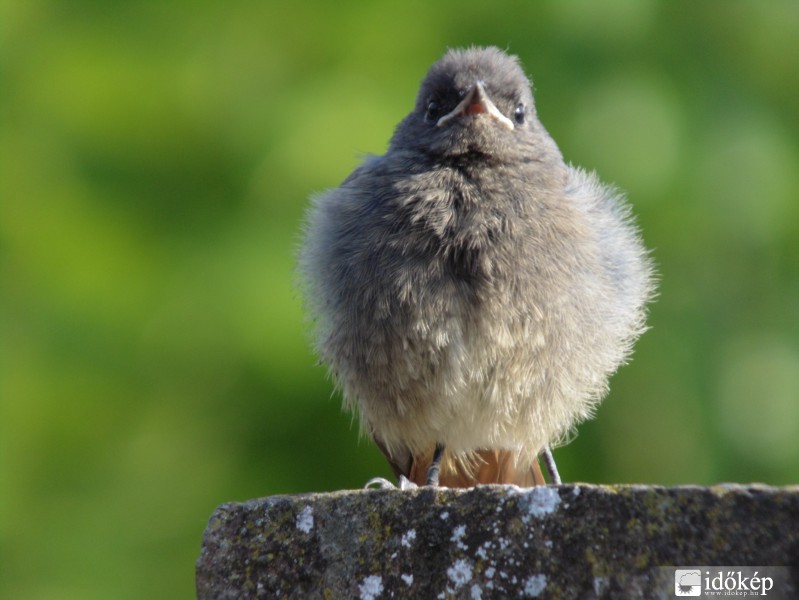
point(570, 541)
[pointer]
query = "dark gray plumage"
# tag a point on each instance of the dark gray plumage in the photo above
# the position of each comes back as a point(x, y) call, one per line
point(469, 288)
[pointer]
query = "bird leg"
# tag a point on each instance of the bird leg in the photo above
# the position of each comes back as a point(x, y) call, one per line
point(435, 466)
point(552, 469)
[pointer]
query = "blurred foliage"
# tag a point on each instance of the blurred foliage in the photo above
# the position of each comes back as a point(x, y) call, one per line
point(156, 159)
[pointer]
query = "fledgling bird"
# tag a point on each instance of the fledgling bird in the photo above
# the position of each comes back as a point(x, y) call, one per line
point(471, 292)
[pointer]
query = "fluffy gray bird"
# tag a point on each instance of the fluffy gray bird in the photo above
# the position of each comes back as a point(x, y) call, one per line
point(471, 292)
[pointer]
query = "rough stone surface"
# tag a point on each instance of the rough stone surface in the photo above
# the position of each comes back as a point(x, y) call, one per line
point(570, 541)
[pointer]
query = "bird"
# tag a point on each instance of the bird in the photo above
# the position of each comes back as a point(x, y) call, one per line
point(470, 292)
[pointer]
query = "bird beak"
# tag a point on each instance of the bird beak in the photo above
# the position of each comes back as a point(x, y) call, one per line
point(475, 102)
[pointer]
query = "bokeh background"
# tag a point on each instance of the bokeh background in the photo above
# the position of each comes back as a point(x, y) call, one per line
point(156, 160)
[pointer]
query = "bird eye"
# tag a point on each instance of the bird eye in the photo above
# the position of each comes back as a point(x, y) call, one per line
point(519, 113)
point(433, 111)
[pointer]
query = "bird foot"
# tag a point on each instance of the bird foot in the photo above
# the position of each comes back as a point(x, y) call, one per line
point(380, 483)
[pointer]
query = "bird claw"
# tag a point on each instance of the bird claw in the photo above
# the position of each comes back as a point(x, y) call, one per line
point(406, 484)
point(380, 483)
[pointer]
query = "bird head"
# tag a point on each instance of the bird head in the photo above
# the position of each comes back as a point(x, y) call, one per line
point(475, 102)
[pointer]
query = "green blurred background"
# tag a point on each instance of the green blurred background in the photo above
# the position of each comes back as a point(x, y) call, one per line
point(156, 159)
